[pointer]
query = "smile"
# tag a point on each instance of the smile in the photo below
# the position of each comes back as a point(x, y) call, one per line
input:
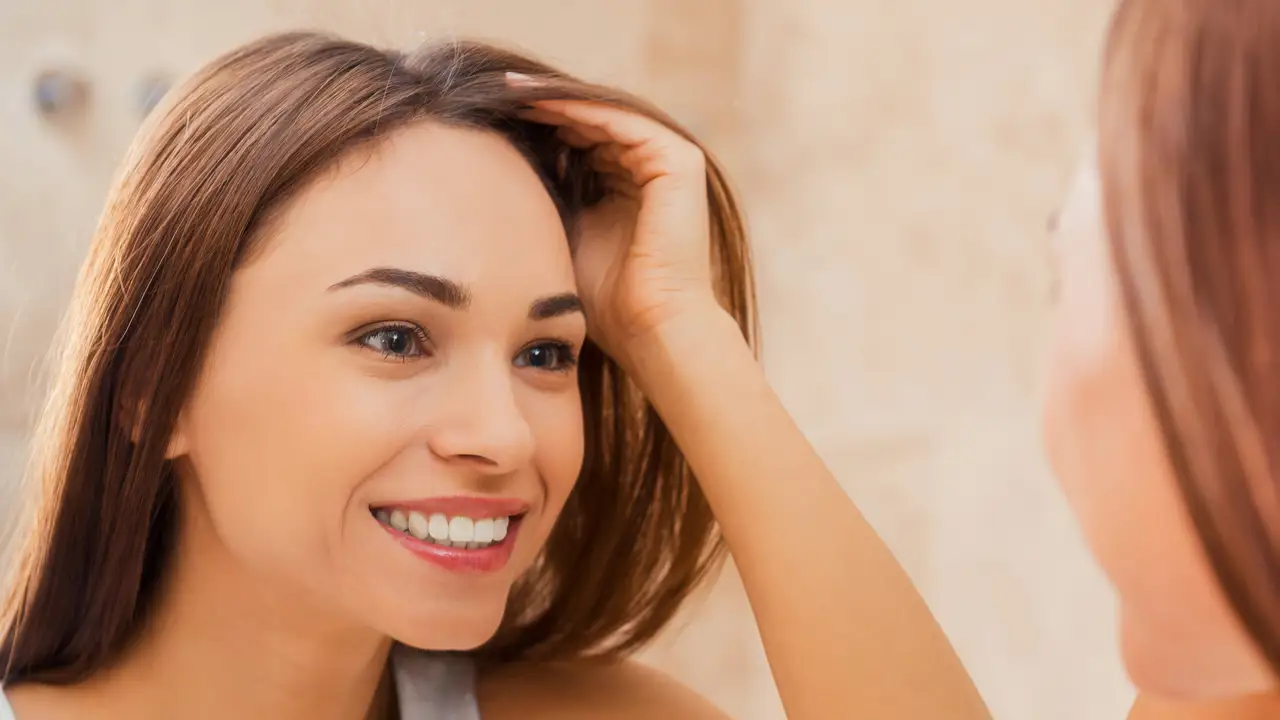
point(461, 534)
point(458, 531)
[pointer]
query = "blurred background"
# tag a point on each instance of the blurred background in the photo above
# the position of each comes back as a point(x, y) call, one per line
point(898, 162)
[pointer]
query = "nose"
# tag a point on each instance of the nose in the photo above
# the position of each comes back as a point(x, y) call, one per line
point(482, 423)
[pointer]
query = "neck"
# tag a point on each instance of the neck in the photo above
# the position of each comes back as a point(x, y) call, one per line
point(224, 642)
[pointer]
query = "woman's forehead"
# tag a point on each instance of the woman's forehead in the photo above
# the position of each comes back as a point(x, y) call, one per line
point(451, 201)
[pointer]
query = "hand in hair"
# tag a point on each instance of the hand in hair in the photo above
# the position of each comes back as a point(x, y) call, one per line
point(642, 256)
point(845, 631)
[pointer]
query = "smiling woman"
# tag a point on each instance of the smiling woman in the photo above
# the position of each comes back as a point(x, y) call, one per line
point(374, 379)
point(330, 316)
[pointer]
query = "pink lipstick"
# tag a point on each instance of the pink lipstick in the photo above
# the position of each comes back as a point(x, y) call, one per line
point(463, 533)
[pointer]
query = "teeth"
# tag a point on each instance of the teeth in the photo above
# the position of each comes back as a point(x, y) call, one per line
point(418, 525)
point(457, 532)
point(439, 527)
point(461, 529)
point(399, 521)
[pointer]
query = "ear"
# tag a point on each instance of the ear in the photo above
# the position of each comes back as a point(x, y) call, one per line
point(129, 414)
point(179, 444)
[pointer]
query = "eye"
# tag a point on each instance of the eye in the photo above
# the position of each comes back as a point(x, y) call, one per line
point(551, 356)
point(399, 342)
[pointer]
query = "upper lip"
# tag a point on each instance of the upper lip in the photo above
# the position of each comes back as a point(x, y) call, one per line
point(472, 506)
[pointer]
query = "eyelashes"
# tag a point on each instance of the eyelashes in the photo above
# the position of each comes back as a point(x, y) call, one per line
point(396, 341)
point(405, 342)
point(548, 355)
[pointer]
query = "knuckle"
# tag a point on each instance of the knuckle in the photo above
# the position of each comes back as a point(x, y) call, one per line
point(688, 157)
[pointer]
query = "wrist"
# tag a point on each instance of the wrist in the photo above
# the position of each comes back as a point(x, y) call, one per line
point(687, 341)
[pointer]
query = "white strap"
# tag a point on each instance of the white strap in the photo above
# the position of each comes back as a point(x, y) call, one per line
point(6, 712)
point(434, 686)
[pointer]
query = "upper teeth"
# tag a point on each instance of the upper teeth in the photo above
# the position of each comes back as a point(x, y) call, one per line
point(458, 531)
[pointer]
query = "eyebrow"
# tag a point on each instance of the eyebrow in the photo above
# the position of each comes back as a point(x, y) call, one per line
point(442, 290)
point(555, 306)
point(451, 294)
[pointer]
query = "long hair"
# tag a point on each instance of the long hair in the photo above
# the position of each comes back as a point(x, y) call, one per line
point(244, 134)
point(1190, 162)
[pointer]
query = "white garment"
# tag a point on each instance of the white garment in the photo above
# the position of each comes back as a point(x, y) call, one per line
point(434, 686)
point(430, 686)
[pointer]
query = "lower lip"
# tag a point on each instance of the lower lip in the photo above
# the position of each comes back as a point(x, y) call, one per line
point(480, 560)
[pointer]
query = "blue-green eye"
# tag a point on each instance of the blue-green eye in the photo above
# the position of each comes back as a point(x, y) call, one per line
point(550, 356)
point(400, 342)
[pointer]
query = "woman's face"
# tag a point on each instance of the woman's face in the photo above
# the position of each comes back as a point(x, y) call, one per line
point(388, 422)
point(1179, 635)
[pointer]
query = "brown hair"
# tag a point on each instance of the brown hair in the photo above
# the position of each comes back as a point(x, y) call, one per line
point(1190, 161)
point(246, 132)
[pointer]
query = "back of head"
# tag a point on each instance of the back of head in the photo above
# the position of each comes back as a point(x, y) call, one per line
point(208, 174)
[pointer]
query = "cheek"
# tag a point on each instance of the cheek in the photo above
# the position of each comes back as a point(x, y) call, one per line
point(1105, 452)
point(1179, 636)
point(278, 446)
point(1087, 411)
point(1104, 444)
point(1087, 401)
point(557, 424)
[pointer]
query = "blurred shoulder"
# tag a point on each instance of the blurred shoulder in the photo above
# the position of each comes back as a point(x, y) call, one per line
point(625, 690)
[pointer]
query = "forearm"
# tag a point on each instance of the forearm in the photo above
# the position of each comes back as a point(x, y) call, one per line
point(845, 631)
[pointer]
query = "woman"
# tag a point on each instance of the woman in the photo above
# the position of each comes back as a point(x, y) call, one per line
point(377, 357)
point(1164, 421)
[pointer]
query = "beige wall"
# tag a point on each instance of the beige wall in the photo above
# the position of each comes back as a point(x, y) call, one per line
point(898, 162)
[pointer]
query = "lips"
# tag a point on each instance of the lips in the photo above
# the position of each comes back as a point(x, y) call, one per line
point(457, 533)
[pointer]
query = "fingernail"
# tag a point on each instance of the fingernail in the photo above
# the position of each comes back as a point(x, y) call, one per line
point(516, 78)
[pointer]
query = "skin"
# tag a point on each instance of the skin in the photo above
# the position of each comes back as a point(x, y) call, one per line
point(654, 316)
point(285, 589)
point(304, 418)
point(295, 574)
point(1180, 639)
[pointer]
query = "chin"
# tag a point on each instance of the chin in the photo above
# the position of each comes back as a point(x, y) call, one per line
point(441, 626)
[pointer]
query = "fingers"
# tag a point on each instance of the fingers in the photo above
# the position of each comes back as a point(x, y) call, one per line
point(603, 157)
point(649, 148)
point(607, 168)
point(643, 148)
point(574, 138)
point(610, 155)
point(622, 142)
point(617, 125)
point(546, 117)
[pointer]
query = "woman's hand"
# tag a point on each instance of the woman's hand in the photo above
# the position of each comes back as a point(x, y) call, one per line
point(846, 633)
point(643, 255)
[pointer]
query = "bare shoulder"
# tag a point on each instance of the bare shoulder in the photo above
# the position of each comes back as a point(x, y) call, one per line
point(1254, 707)
point(625, 690)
